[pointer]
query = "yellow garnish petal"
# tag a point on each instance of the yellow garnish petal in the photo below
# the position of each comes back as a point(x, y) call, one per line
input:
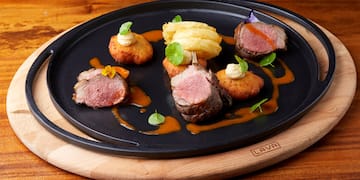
point(108, 71)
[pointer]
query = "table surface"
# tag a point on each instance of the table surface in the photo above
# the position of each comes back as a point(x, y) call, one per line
point(26, 24)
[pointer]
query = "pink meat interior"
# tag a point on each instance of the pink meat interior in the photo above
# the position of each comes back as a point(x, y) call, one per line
point(260, 37)
point(193, 88)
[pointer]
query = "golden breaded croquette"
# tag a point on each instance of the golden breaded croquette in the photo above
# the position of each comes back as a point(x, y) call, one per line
point(173, 70)
point(138, 53)
point(242, 88)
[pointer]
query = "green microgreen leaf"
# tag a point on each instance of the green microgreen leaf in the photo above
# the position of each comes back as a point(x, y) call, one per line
point(174, 53)
point(258, 105)
point(268, 60)
point(156, 118)
point(176, 19)
point(125, 28)
point(242, 63)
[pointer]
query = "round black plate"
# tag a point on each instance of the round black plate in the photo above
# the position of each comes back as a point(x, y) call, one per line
point(70, 55)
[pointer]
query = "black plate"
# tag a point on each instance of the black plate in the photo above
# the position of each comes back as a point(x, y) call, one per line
point(70, 55)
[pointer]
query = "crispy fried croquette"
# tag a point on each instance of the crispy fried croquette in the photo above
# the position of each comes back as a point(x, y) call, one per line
point(242, 88)
point(138, 53)
point(173, 70)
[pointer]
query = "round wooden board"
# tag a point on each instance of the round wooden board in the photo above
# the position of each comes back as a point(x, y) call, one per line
point(309, 129)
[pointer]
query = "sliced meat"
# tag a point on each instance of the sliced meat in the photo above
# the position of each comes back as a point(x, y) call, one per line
point(197, 94)
point(95, 90)
point(257, 39)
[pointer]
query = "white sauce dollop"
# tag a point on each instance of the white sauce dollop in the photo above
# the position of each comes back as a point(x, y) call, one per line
point(233, 71)
point(126, 40)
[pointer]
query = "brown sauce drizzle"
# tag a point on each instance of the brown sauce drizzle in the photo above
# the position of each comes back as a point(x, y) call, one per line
point(96, 63)
point(169, 126)
point(244, 113)
point(288, 76)
point(122, 121)
point(228, 39)
point(139, 98)
point(153, 36)
point(261, 34)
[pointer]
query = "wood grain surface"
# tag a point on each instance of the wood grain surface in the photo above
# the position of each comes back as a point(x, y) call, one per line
point(27, 25)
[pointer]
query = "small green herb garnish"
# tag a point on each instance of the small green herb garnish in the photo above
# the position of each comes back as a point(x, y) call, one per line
point(242, 63)
point(156, 118)
point(176, 19)
point(258, 105)
point(174, 53)
point(125, 28)
point(268, 60)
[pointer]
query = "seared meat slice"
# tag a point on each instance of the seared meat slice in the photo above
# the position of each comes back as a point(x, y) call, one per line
point(95, 90)
point(258, 39)
point(197, 94)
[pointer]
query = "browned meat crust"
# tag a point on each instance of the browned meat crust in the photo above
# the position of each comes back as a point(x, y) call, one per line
point(253, 40)
point(198, 95)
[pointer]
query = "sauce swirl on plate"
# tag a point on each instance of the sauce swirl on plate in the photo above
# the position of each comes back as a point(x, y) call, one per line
point(140, 99)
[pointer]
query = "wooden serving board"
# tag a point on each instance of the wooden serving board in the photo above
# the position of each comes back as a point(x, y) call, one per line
point(309, 129)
